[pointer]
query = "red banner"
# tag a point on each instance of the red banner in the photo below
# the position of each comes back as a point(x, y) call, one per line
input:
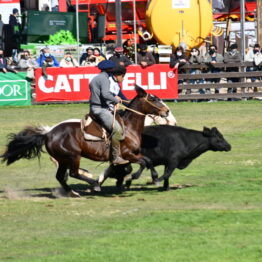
point(72, 84)
point(101, 1)
point(9, 1)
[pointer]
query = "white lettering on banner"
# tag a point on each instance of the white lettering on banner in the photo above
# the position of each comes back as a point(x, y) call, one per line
point(163, 82)
point(42, 86)
point(76, 82)
point(136, 78)
point(62, 83)
point(10, 90)
point(89, 76)
point(139, 80)
point(129, 81)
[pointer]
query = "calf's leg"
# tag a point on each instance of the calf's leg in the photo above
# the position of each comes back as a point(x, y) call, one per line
point(167, 173)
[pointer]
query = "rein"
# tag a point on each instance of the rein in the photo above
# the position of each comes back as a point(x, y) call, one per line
point(133, 110)
point(137, 112)
point(150, 103)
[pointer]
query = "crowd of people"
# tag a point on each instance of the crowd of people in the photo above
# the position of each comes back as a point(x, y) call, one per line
point(125, 56)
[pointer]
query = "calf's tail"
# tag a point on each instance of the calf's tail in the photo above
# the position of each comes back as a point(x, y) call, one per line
point(25, 144)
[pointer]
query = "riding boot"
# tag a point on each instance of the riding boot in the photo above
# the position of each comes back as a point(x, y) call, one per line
point(116, 159)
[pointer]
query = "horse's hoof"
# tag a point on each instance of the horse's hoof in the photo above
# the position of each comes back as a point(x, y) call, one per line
point(72, 193)
point(97, 188)
point(157, 183)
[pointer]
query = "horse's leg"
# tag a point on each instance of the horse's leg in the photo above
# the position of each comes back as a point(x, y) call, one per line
point(61, 176)
point(102, 178)
point(74, 172)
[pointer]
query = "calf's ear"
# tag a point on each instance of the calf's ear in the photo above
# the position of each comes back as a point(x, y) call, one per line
point(140, 91)
point(206, 131)
point(214, 131)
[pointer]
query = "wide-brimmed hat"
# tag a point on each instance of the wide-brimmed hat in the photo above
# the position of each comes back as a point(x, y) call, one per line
point(106, 64)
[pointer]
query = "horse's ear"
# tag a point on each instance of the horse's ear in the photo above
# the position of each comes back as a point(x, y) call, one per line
point(140, 91)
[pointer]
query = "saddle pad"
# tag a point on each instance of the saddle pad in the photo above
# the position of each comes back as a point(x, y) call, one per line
point(92, 130)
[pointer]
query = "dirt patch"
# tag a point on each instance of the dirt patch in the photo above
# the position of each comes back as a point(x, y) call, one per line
point(11, 193)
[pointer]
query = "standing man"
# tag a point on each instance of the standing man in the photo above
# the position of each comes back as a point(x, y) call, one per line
point(1, 31)
point(211, 59)
point(15, 27)
point(232, 56)
point(145, 58)
point(119, 58)
point(101, 100)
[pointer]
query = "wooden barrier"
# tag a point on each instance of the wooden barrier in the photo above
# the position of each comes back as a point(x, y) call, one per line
point(244, 87)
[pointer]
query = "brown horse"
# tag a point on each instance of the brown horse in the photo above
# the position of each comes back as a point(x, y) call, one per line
point(66, 144)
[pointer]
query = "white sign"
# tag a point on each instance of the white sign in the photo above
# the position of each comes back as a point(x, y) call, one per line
point(6, 10)
point(179, 4)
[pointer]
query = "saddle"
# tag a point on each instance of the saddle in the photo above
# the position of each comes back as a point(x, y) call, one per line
point(93, 130)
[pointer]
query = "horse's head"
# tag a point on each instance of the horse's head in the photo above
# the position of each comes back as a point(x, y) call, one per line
point(151, 104)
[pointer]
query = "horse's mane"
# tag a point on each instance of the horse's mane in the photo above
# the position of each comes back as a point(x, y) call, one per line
point(129, 105)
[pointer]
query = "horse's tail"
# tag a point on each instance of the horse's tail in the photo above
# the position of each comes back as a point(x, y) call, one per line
point(26, 144)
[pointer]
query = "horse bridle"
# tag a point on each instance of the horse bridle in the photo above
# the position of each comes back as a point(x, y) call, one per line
point(139, 113)
point(150, 103)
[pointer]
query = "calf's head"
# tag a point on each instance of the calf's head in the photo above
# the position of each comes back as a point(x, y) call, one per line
point(216, 139)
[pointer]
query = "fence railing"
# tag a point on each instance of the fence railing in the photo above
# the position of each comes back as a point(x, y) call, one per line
point(244, 87)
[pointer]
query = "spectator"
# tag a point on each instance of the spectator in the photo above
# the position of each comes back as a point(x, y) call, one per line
point(232, 56)
point(5, 63)
point(177, 60)
point(129, 50)
point(212, 58)
point(145, 58)
point(68, 61)
point(46, 53)
point(98, 55)
point(195, 58)
point(15, 27)
point(119, 58)
point(89, 52)
point(49, 62)
point(254, 55)
point(1, 31)
point(90, 61)
point(29, 64)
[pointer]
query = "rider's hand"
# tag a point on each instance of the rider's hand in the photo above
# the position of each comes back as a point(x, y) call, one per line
point(118, 98)
point(116, 106)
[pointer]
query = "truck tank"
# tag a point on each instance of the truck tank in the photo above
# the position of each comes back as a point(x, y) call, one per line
point(179, 22)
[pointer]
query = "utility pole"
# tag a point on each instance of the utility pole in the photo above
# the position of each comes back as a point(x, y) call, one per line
point(259, 22)
point(118, 10)
point(242, 20)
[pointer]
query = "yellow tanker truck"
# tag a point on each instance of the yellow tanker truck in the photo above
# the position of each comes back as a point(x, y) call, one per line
point(179, 22)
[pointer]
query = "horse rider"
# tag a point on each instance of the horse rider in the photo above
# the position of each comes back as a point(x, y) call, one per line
point(101, 101)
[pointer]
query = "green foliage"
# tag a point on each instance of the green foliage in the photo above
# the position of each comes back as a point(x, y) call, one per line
point(217, 218)
point(63, 37)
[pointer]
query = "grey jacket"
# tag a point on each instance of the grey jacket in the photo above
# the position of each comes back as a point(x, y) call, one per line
point(25, 63)
point(100, 91)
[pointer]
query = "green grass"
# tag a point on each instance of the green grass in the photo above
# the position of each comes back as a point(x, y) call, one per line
point(215, 217)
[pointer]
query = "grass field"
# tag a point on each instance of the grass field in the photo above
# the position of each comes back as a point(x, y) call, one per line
point(216, 215)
